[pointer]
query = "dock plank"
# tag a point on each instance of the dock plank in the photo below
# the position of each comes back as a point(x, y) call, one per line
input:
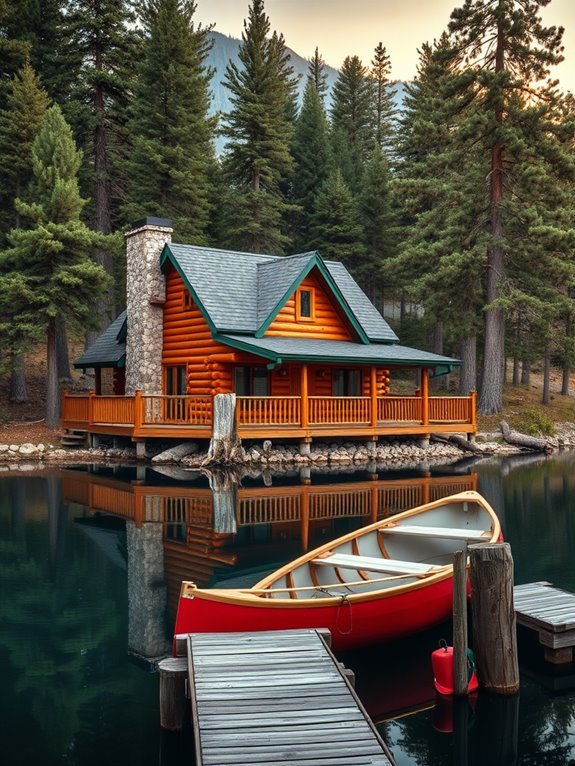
point(541, 605)
point(278, 697)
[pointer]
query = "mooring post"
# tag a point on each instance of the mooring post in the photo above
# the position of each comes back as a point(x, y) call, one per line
point(493, 613)
point(460, 680)
point(173, 703)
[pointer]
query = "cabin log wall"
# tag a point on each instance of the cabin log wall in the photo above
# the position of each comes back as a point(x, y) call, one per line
point(188, 341)
point(327, 323)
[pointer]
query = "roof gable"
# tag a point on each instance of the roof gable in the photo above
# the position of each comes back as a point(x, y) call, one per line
point(241, 293)
point(281, 278)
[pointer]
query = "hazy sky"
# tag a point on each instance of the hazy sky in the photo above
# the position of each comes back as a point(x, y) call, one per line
point(342, 28)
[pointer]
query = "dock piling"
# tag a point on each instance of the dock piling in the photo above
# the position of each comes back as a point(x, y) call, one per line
point(174, 715)
point(494, 624)
point(460, 680)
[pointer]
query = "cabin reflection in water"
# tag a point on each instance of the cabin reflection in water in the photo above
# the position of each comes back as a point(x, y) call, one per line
point(189, 531)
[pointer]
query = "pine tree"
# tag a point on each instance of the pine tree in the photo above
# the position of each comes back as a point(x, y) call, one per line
point(105, 47)
point(173, 149)
point(539, 241)
point(384, 99)
point(48, 270)
point(311, 153)
point(335, 228)
point(103, 38)
point(14, 52)
point(379, 222)
point(20, 122)
point(26, 106)
point(259, 130)
point(317, 75)
point(508, 50)
point(440, 255)
point(38, 28)
point(352, 117)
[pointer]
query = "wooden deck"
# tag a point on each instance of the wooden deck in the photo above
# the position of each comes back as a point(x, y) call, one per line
point(142, 416)
point(276, 697)
point(551, 612)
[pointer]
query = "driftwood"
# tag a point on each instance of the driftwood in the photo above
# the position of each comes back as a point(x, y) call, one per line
point(523, 440)
point(461, 442)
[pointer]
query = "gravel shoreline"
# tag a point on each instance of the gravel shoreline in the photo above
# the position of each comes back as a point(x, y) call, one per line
point(388, 452)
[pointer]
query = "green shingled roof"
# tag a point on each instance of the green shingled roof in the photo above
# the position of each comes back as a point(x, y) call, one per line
point(280, 349)
point(238, 292)
point(239, 295)
point(109, 349)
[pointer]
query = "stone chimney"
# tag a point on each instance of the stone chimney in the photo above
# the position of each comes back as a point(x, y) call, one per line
point(146, 294)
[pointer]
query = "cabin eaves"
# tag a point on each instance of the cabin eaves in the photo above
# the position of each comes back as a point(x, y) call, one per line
point(240, 293)
point(109, 348)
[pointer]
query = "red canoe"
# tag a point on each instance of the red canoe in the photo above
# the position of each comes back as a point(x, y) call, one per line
point(387, 580)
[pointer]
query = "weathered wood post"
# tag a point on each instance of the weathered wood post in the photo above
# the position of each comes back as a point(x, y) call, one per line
point(493, 613)
point(225, 445)
point(173, 703)
point(460, 680)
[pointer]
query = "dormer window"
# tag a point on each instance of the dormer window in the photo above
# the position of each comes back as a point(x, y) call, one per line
point(304, 304)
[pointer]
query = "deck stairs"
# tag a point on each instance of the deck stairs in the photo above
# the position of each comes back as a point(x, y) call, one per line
point(74, 437)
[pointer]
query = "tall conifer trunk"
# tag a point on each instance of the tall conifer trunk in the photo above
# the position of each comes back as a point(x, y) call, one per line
point(491, 396)
point(52, 399)
point(468, 372)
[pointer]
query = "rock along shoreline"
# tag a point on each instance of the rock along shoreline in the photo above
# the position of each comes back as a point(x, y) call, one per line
point(389, 452)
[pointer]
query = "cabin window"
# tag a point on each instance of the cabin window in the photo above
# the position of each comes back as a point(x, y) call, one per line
point(251, 381)
point(346, 382)
point(304, 304)
point(175, 380)
point(187, 300)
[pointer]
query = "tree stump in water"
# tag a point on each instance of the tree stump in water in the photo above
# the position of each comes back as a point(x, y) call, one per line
point(225, 446)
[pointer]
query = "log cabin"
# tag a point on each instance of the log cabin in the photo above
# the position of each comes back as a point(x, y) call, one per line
point(297, 341)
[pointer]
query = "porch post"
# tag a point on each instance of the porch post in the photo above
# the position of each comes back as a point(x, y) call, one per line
point(91, 396)
point(373, 391)
point(138, 413)
point(98, 381)
point(473, 405)
point(304, 397)
point(425, 396)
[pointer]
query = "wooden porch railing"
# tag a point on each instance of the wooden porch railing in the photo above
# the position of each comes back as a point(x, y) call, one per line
point(76, 408)
point(324, 410)
point(144, 410)
point(450, 409)
point(112, 409)
point(177, 410)
point(268, 410)
point(399, 409)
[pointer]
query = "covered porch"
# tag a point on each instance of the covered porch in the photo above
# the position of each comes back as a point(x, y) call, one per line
point(302, 416)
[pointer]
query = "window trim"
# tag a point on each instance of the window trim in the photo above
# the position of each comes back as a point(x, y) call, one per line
point(298, 315)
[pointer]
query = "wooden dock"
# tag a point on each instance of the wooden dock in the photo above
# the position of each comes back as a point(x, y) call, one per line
point(551, 612)
point(277, 697)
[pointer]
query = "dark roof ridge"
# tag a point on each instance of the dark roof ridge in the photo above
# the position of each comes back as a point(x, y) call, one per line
point(208, 249)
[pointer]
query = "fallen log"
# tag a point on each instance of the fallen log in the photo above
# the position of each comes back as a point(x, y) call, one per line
point(524, 441)
point(462, 443)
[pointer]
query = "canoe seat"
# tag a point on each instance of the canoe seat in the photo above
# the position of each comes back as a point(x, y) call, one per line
point(445, 532)
point(374, 564)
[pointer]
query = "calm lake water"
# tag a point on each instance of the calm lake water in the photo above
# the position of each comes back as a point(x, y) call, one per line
point(90, 566)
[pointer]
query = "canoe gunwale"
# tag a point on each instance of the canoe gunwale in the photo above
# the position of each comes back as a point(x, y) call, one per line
point(257, 595)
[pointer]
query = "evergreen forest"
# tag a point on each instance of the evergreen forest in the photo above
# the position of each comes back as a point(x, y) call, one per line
point(455, 210)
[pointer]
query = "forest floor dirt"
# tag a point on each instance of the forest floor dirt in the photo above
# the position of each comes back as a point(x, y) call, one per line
point(22, 423)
